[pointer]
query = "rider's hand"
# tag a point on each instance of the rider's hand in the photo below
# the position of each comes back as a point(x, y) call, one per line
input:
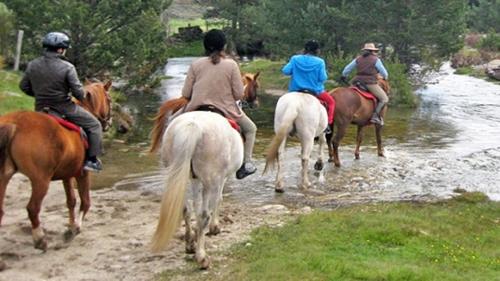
point(343, 79)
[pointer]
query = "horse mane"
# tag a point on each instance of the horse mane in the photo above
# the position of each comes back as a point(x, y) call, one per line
point(166, 109)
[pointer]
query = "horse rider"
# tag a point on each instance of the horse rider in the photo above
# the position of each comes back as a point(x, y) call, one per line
point(368, 65)
point(215, 81)
point(308, 73)
point(52, 80)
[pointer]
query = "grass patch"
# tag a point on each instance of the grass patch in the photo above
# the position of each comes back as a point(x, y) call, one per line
point(11, 97)
point(270, 73)
point(453, 240)
point(186, 49)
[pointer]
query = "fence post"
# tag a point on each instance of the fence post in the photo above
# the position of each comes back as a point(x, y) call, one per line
point(20, 34)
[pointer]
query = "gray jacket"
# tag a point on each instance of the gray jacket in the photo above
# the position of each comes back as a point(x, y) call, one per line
point(50, 79)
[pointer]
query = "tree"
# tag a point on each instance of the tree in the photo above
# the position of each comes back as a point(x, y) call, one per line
point(6, 30)
point(125, 37)
point(484, 16)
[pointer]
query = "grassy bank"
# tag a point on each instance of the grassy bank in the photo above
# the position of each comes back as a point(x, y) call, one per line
point(11, 97)
point(453, 240)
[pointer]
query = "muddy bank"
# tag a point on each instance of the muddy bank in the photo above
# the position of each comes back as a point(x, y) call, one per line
point(113, 244)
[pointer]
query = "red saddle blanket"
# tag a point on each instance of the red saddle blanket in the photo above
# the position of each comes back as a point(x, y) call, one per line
point(72, 127)
point(366, 95)
point(234, 125)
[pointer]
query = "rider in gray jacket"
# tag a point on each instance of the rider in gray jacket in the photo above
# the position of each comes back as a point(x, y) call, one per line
point(52, 80)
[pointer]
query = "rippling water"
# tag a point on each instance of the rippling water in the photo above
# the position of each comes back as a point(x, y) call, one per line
point(451, 141)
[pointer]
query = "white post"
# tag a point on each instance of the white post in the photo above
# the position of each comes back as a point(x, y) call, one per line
point(20, 34)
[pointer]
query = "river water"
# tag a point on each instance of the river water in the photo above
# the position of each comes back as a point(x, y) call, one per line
point(450, 142)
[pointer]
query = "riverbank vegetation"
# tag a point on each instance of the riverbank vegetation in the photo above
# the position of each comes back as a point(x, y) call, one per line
point(448, 240)
point(11, 97)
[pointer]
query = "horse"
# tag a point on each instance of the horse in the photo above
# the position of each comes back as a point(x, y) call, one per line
point(36, 145)
point(202, 149)
point(302, 115)
point(352, 108)
point(250, 98)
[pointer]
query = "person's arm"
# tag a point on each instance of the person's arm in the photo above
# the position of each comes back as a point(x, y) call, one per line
point(25, 84)
point(287, 69)
point(236, 83)
point(381, 69)
point(75, 85)
point(349, 68)
point(187, 89)
point(323, 75)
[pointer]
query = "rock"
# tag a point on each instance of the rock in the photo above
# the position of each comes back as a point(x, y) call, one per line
point(3, 265)
point(493, 69)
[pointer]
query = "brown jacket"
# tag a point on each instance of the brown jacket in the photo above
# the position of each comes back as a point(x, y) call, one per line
point(218, 85)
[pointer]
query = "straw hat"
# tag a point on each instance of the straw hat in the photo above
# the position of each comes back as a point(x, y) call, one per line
point(370, 47)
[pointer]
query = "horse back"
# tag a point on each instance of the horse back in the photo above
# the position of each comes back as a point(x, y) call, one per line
point(41, 146)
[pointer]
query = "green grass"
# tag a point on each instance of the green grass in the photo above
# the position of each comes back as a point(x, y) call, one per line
point(270, 76)
point(11, 97)
point(452, 240)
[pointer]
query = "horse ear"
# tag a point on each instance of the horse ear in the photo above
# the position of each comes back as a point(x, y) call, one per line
point(87, 81)
point(256, 75)
point(108, 85)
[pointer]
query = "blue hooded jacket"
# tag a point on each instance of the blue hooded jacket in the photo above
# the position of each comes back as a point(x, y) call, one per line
point(308, 73)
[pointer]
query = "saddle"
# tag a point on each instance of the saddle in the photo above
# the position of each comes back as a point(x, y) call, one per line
point(211, 108)
point(306, 91)
point(363, 91)
point(72, 127)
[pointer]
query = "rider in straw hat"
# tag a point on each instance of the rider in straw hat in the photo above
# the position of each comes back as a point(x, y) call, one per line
point(50, 79)
point(368, 66)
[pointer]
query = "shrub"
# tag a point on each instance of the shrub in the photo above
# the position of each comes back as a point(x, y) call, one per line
point(491, 42)
point(2, 63)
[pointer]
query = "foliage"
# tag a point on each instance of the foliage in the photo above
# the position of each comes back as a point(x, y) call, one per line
point(11, 97)
point(411, 31)
point(125, 37)
point(491, 42)
point(6, 30)
point(484, 15)
point(451, 240)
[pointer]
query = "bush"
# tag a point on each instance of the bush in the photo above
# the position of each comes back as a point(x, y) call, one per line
point(2, 63)
point(466, 57)
point(491, 42)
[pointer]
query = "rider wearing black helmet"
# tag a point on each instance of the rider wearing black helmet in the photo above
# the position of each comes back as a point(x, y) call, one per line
point(52, 80)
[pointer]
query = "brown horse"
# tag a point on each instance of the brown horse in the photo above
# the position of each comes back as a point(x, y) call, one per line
point(37, 146)
point(352, 108)
point(250, 99)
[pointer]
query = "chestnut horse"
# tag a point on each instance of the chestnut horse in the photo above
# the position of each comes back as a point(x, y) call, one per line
point(202, 150)
point(352, 108)
point(37, 146)
point(168, 108)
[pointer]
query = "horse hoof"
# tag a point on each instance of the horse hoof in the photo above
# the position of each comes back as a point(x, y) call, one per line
point(356, 157)
point(318, 166)
point(330, 160)
point(214, 230)
point(70, 233)
point(381, 155)
point(41, 245)
point(279, 190)
point(190, 248)
point(337, 164)
point(204, 263)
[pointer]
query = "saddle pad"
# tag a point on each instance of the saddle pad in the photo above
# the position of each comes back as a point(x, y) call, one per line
point(72, 127)
point(234, 125)
point(366, 95)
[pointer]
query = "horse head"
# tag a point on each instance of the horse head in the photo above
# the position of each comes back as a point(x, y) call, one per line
point(98, 101)
point(384, 84)
point(251, 84)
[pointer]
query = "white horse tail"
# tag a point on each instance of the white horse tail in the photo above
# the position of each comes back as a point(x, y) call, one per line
point(182, 140)
point(283, 130)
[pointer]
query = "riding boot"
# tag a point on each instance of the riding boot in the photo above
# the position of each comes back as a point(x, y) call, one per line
point(376, 118)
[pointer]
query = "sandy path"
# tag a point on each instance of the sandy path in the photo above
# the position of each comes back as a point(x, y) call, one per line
point(113, 242)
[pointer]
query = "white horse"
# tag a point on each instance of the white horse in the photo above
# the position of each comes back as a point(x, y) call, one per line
point(302, 115)
point(202, 149)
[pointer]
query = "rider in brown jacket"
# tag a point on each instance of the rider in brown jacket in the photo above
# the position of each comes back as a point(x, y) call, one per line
point(52, 80)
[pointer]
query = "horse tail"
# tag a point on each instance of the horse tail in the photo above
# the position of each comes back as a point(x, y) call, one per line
point(182, 146)
point(160, 120)
point(283, 130)
point(7, 132)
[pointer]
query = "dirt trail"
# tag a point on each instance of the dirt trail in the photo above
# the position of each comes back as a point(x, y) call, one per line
point(113, 244)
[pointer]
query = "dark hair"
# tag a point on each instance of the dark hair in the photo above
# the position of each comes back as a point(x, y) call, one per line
point(311, 47)
point(214, 42)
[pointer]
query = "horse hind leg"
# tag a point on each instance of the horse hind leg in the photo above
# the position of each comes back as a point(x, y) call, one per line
point(214, 226)
point(83, 184)
point(5, 177)
point(307, 145)
point(280, 182)
point(73, 228)
point(359, 140)
point(341, 130)
point(318, 166)
point(39, 190)
point(378, 134)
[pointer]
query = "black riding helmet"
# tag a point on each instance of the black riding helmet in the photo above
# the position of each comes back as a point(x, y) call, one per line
point(56, 40)
point(214, 40)
point(311, 46)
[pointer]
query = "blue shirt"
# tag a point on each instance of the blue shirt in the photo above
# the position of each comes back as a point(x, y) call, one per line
point(378, 65)
point(308, 73)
